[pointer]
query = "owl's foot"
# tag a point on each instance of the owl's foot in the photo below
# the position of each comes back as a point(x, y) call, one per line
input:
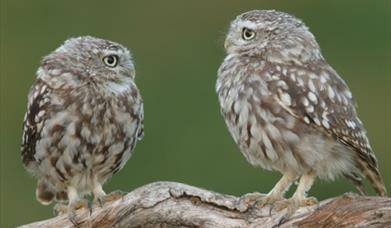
point(77, 205)
point(260, 200)
point(111, 197)
point(251, 198)
point(267, 200)
point(292, 205)
point(61, 209)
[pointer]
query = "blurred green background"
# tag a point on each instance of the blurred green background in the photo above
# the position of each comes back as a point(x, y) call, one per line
point(178, 46)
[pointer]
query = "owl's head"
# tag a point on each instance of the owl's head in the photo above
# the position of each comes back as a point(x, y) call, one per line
point(88, 59)
point(271, 34)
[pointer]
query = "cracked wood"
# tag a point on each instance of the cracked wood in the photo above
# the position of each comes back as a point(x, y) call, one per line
point(170, 204)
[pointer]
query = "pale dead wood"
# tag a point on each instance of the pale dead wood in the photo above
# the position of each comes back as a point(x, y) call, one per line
point(170, 204)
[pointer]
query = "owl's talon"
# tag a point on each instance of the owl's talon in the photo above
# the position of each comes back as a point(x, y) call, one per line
point(283, 219)
point(73, 218)
point(309, 201)
point(111, 197)
point(79, 205)
point(292, 205)
point(60, 209)
point(251, 198)
point(268, 199)
point(115, 195)
point(284, 204)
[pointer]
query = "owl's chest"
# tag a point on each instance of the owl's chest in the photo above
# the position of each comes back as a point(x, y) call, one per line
point(91, 128)
point(253, 118)
point(242, 96)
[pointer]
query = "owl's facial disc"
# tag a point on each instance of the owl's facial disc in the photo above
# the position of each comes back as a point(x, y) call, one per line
point(116, 62)
point(243, 36)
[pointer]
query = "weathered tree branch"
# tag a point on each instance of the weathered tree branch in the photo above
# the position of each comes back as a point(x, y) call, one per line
point(170, 204)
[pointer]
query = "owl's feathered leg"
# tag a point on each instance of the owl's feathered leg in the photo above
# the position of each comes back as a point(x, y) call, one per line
point(74, 204)
point(278, 191)
point(299, 198)
point(276, 194)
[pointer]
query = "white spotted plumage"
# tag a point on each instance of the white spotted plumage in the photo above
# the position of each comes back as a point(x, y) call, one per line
point(280, 79)
point(83, 120)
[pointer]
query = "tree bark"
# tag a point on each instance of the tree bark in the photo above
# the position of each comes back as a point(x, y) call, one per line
point(170, 204)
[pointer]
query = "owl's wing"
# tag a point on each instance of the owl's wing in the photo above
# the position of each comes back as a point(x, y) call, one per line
point(38, 100)
point(140, 133)
point(318, 96)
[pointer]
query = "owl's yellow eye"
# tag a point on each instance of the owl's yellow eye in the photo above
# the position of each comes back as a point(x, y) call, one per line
point(248, 34)
point(110, 60)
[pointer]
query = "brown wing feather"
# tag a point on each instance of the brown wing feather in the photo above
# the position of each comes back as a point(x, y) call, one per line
point(33, 120)
point(320, 97)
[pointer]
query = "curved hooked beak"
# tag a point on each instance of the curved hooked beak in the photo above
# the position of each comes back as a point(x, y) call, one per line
point(132, 73)
point(227, 43)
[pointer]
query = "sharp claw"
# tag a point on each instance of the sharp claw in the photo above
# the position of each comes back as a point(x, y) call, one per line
point(73, 218)
point(60, 209)
point(113, 196)
point(100, 201)
point(90, 207)
point(292, 205)
point(309, 201)
point(282, 204)
point(251, 197)
point(282, 220)
point(116, 195)
point(73, 207)
point(268, 200)
point(271, 209)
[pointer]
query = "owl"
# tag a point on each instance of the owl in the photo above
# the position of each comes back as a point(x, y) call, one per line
point(288, 110)
point(84, 117)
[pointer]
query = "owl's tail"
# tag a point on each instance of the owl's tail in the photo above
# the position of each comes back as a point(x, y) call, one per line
point(371, 172)
point(44, 193)
point(357, 182)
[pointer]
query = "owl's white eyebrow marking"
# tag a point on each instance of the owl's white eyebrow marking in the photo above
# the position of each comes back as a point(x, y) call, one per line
point(114, 47)
point(247, 24)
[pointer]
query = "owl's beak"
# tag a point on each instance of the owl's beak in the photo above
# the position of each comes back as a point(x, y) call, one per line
point(132, 73)
point(227, 43)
